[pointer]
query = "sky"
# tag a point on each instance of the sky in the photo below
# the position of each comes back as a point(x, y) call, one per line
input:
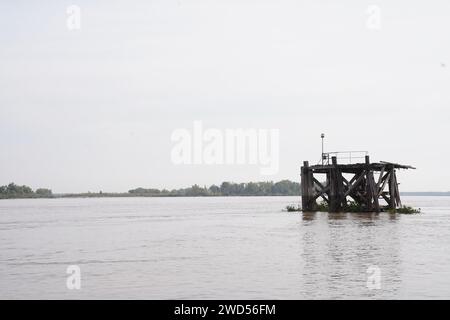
point(95, 107)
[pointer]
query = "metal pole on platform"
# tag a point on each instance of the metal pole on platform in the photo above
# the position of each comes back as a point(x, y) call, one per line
point(322, 136)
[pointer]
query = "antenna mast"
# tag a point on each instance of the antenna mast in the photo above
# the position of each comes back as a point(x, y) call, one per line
point(322, 136)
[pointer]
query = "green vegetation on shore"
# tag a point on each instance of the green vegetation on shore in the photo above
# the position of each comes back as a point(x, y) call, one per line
point(267, 188)
point(13, 191)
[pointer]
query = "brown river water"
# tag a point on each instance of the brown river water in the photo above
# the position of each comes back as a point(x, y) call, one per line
point(221, 248)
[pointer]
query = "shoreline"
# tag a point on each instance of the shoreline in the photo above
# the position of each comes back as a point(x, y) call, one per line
point(127, 195)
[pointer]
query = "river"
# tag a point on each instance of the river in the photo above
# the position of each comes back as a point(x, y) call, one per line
point(220, 248)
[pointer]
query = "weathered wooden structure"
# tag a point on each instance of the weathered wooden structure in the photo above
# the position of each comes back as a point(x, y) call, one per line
point(364, 183)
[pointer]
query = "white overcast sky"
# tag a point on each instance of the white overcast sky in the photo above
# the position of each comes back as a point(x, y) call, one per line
point(94, 109)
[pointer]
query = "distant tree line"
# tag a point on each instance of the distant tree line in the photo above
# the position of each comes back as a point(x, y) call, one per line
point(13, 190)
point(268, 188)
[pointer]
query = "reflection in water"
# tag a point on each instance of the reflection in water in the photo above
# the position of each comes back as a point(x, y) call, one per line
point(308, 216)
point(342, 246)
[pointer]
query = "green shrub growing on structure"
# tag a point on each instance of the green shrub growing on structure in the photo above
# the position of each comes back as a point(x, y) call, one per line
point(293, 208)
point(322, 206)
point(353, 206)
point(405, 210)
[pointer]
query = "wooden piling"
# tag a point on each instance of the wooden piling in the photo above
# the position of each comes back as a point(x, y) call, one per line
point(392, 198)
point(307, 186)
point(336, 187)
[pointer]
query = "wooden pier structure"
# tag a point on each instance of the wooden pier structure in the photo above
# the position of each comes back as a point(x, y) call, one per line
point(364, 183)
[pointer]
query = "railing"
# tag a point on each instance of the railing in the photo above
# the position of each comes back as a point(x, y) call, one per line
point(343, 156)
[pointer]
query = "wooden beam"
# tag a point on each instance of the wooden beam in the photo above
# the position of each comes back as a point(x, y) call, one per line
point(397, 193)
point(353, 179)
point(385, 180)
point(373, 192)
point(380, 178)
point(385, 197)
point(318, 183)
point(357, 182)
point(345, 180)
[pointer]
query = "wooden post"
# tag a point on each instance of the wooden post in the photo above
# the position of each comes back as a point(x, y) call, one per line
point(371, 188)
point(368, 187)
point(397, 193)
point(334, 197)
point(340, 190)
point(307, 184)
point(392, 204)
point(373, 196)
point(304, 185)
point(311, 191)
